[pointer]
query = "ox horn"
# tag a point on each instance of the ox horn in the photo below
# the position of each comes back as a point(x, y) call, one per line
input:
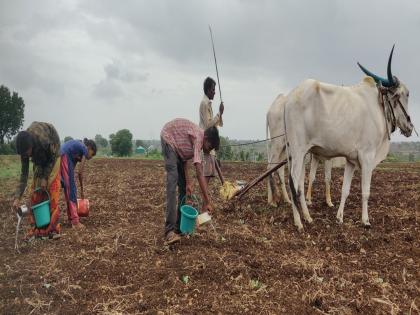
point(389, 72)
point(377, 79)
point(389, 82)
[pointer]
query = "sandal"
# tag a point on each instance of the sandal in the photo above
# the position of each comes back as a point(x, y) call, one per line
point(172, 238)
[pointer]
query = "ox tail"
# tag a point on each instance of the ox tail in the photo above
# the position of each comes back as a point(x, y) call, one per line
point(270, 182)
point(268, 142)
point(293, 191)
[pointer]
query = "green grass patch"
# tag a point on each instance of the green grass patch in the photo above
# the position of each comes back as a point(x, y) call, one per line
point(9, 166)
point(157, 157)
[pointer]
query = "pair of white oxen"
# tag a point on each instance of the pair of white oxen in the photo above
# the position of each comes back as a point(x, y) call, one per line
point(327, 121)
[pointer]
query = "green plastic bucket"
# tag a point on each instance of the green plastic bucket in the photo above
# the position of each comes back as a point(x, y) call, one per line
point(188, 217)
point(41, 212)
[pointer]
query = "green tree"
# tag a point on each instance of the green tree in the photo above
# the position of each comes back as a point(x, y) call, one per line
point(101, 141)
point(411, 157)
point(12, 109)
point(247, 156)
point(121, 143)
point(67, 138)
point(225, 152)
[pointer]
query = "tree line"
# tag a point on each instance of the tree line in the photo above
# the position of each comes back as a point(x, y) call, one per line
point(12, 109)
point(121, 143)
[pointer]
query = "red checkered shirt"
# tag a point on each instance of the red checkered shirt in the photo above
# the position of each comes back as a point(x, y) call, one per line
point(185, 137)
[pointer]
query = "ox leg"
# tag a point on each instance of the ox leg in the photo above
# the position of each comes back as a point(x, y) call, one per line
point(296, 217)
point(312, 173)
point(345, 190)
point(294, 181)
point(273, 194)
point(280, 173)
point(366, 179)
point(328, 167)
point(303, 205)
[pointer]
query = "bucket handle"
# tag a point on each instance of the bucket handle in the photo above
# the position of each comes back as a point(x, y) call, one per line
point(39, 189)
point(193, 198)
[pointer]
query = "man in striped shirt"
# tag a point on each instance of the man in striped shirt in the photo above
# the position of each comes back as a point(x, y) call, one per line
point(182, 140)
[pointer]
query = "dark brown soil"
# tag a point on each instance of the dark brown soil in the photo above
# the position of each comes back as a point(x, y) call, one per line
point(255, 262)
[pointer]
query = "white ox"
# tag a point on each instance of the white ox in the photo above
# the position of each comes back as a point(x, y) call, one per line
point(352, 122)
point(276, 152)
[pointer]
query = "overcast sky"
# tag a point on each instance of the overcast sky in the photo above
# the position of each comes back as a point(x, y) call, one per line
point(96, 66)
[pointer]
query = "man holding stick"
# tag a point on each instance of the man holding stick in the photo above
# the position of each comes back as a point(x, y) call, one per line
point(210, 164)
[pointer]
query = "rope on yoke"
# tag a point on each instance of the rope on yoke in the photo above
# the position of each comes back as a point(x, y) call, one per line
point(248, 143)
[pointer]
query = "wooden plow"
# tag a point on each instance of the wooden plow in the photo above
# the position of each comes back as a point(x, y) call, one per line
point(255, 181)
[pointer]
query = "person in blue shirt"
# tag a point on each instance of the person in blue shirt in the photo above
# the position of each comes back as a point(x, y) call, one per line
point(72, 152)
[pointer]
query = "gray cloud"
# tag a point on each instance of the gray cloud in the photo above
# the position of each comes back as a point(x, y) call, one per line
point(108, 89)
point(116, 75)
point(117, 71)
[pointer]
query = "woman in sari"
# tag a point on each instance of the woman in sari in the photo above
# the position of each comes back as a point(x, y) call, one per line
point(41, 143)
point(72, 152)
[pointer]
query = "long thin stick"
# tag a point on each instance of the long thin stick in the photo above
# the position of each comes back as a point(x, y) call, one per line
point(219, 172)
point(215, 62)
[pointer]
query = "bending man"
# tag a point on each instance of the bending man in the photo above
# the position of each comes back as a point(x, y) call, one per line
point(182, 140)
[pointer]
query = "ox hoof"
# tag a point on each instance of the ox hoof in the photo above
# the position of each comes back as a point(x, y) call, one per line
point(299, 227)
point(309, 202)
point(339, 220)
point(367, 225)
point(309, 220)
point(330, 204)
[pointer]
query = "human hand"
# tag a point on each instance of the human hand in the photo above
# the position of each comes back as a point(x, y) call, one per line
point(15, 204)
point(221, 108)
point(44, 184)
point(189, 189)
point(207, 207)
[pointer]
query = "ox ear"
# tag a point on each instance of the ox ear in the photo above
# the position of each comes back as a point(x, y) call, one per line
point(370, 81)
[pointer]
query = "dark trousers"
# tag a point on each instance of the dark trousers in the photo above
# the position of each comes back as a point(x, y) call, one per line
point(175, 176)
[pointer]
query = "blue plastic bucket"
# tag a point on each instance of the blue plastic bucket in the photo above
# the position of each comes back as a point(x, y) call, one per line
point(41, 212)
point(188, 217)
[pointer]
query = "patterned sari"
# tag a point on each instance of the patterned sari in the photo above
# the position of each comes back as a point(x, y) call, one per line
point(37, 197)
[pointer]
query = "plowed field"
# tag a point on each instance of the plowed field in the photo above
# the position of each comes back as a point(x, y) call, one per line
point(254, 261)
